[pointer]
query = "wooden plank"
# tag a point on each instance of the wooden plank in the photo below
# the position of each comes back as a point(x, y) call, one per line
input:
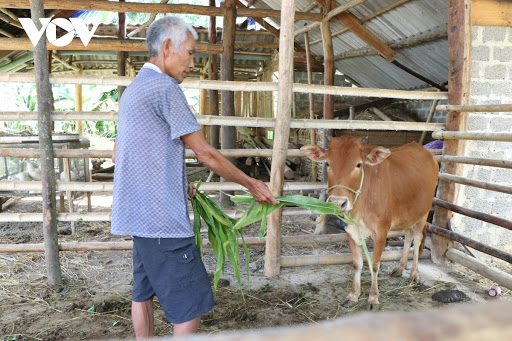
point(491, 12)
point(44, 100)
point(281, 135)
point(97, 44)
point(459, 73)
point(131, 7)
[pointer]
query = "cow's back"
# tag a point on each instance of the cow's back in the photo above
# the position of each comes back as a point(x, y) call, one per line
point(398, 191)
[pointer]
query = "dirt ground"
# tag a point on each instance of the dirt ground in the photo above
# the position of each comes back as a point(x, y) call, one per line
point(94, 301)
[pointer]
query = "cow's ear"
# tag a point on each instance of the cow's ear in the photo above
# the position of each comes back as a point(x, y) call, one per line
point(377, 155)
point(314, 152)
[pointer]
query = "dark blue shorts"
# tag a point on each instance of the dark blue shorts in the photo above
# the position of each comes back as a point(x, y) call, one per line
point(171, 269)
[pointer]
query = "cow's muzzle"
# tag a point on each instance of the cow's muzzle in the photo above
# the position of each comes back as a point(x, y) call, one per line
point(343, 202)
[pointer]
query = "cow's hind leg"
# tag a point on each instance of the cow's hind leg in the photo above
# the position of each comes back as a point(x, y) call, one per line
point(357, 256)
point(408, 235)
point(379, 242)
point(418, 230)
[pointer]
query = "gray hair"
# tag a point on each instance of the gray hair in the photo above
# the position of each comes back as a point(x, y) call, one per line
point(169, 27)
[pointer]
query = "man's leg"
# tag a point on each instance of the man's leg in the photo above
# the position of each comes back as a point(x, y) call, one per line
point(143, 319)
point(187, 328)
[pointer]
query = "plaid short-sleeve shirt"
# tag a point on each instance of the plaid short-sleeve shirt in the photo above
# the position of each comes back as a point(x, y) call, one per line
point(150, 183)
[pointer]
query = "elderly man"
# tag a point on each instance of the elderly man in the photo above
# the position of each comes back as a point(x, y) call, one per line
point(150, 186)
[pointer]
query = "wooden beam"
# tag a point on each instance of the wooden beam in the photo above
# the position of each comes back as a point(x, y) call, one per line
point(131, 7)
point(355, 25)
point(329, 70)
point(44, 100)
point(281, 136)
point(312, 132)
point(213, 74)
point(491, 12)
point(365, 19)
point(121, 55)
point(97, 44)
point(228, 135)
point(459, 73)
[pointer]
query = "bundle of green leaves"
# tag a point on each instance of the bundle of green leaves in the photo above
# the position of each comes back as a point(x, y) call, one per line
point(223, 231)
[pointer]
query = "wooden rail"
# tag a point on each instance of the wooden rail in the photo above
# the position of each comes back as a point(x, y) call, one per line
point(475, 183)
point(468, 135)
point(476, 108)
point(474, 161)
point(14, 77)
point(474, 214)
point(507, 257)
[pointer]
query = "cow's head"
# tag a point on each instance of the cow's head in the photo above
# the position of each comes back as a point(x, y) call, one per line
point(346, 159)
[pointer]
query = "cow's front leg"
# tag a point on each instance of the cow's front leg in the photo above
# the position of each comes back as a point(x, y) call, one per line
point(357, 256)
point(379, 242)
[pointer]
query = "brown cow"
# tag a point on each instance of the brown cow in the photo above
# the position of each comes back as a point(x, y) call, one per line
point(382, 189)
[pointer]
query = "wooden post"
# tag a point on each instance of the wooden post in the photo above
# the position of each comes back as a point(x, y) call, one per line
point(311, 102)
point(429, 119)
point(281, 135)
point(328, 77)
point(213, 75)
point(121, 55)
point(44, 95)
point(228, 137)
point(69, 194)
point(459, 73)
point(80, 127)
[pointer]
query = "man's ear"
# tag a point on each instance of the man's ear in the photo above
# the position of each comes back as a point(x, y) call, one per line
point(314, 152)
point(167, 47)
point(377, 155)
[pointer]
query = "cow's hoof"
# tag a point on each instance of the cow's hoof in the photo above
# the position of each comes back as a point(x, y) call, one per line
point(373, 306)
point(397, 273)
point(348, 303)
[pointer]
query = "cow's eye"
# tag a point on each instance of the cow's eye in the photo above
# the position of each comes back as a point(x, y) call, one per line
point(359, 165)
point(327, 164)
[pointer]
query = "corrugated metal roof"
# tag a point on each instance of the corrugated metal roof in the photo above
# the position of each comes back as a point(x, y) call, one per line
point(406, 21)
point(410, 20)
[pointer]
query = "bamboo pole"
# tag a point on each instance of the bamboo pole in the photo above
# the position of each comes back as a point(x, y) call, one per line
point(459, 78)
point(475, 183)
point(113, 246)
point(436, 230)
point(333, 259)
point(239, 121)
point(131, 7)
point(44, 96)
point(314, 174)
point(108, 186)
point(14, 77)
point(477, 108)
point(474, 214)
point(281, 135)
point(502, 278)
point(470, 135)
point(475, 161)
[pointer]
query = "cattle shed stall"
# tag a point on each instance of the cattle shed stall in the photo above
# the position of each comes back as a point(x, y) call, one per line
point(315, 67)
